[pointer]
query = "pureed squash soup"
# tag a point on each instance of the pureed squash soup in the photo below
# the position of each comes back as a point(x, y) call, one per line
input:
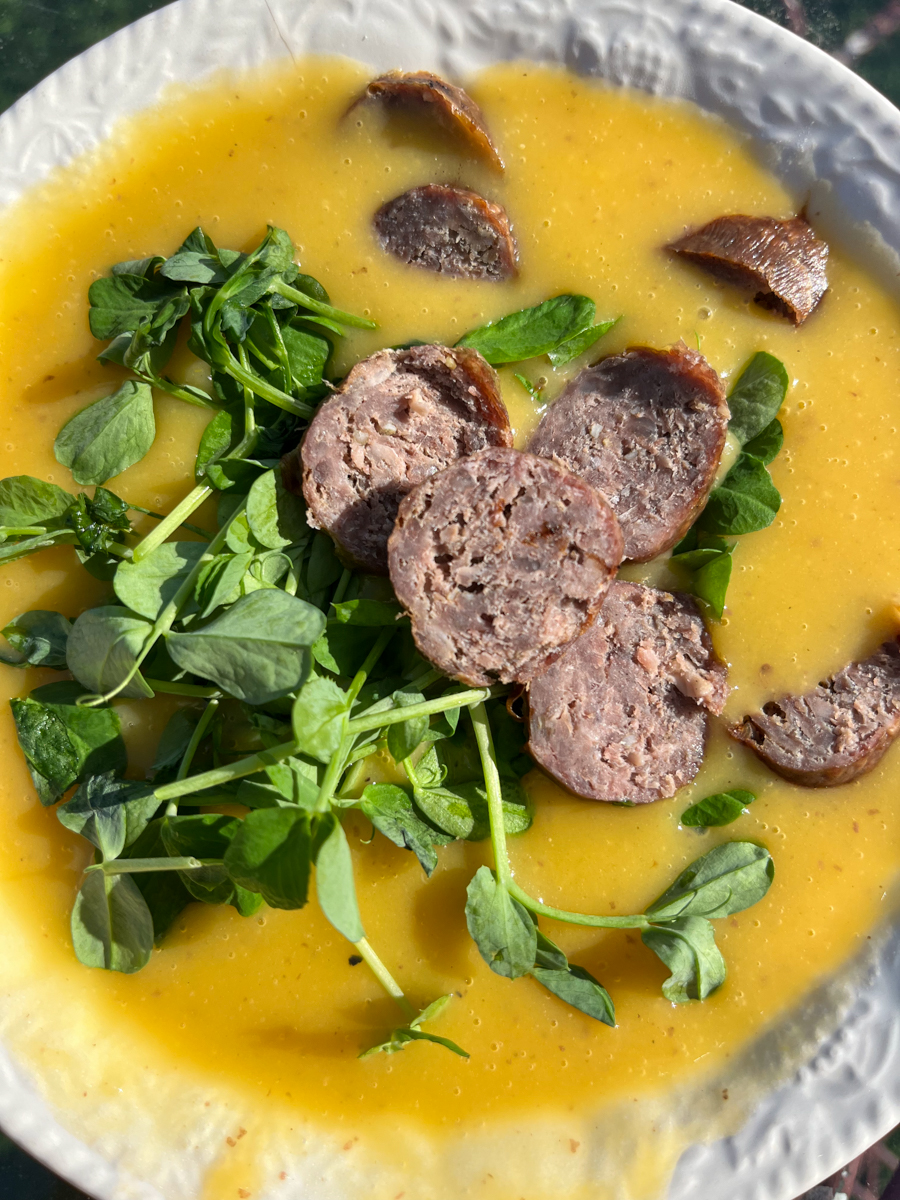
point(269, 1007)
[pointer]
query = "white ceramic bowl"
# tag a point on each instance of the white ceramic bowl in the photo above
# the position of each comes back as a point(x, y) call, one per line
point(826, 133)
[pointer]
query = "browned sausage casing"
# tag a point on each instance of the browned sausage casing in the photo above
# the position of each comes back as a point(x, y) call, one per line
point(448, 230)
point(622, 714)
point(836, 732)
point(453, 107)
point(398, 417)
point(501, 560)
point(781, 262)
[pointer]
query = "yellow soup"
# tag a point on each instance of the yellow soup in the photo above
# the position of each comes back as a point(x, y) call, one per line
point(260, 1020)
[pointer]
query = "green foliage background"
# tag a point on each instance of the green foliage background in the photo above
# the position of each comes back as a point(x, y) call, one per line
point(37, 36)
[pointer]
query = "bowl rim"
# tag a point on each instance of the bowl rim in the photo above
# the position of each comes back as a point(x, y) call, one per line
point(831, 138)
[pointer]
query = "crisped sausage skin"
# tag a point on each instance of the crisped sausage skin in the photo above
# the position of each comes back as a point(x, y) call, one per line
point(781, 262)
point(450, 231)
point(836, 732)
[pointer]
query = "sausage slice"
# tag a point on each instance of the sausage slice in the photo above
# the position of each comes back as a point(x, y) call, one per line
point(836, 732)
point(781, 262)
point(647, 429)
point(622, 714)
point(398, 417)
point(449, 104)
point(449, 230)
point(501, 560)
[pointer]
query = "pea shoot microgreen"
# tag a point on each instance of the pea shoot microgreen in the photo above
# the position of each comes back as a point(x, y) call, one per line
point(293, 670)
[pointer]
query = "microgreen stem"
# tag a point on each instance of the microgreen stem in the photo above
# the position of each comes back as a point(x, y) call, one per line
point(168, 687)
point(426, 709)
point(162, 384)
point(267, 391)
point(384, 977)
point(166, 618)
point(317, 306)
point(573, 918)
point(139, 866)
point(148, 512)
point(220, 775)
point(342, 585)
point(188, 757)
point(169, 524)
point(485, 743)
point(502, 866)
point(338, 763)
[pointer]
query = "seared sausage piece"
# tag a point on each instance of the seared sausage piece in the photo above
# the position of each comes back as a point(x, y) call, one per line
point(836, 732)
point(647, 429)
point(454, 108)
point(622, 714)
point(449, 230)
point(781, 262)
point(501, 560)
point(398, 417)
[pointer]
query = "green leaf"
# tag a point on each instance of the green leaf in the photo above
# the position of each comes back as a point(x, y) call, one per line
point(335, 886)
point(531, 388)
point(317, 718)
point(726, 880)
point(757, 395)
point(277, 518)
point(710, 582)
point(108, 436)
point(110, 812)
point(103, 647)
point(146, 587)
point(165, 894)
point(446, 809)
point(574, 346)
point(26, 502)
point(307, 355)
point(413, 1033)
point(176, 738)
point(40, 637)
point(573, 984)
point(578, 987)
point(372, 613)
point(501, 928)
point(198, 260)
point(64, 743)
point(402, 739)
point(99, 521)
point(219, 437)
point(391, 811)
point(746, 500)
point(719, 809)
point(257, 650)
point(766, 446)
point(123, 302)
point(208, 836)
point(219, 581)
point(324, 567)
point(296, 780)
point(111, 924)
point(531, 331)
point(517, 813)
point(270, 853)
point(688, 948)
